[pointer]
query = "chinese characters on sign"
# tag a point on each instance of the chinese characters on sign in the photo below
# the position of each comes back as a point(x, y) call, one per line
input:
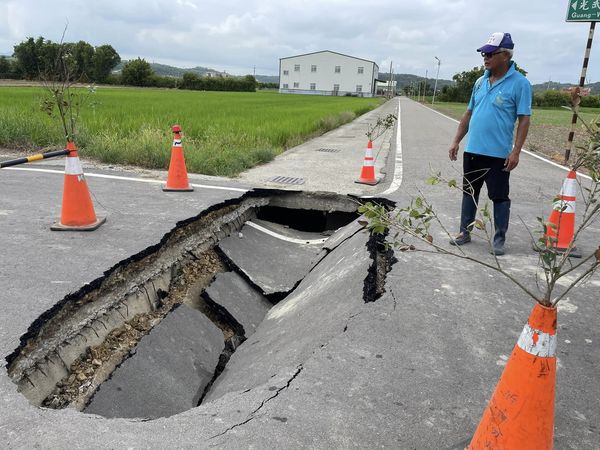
point(583, 11)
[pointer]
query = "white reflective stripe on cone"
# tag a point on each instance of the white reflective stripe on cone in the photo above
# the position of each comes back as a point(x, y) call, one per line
point(177, 143)
point(564, 206)
point(73, 166)
point(537, 343)
point(569, 188)
point(369, 163)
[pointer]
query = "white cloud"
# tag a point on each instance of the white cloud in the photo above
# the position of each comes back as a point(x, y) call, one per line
point(237, 35)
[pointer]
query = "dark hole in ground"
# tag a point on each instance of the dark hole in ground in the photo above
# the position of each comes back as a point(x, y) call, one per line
point(306, 219)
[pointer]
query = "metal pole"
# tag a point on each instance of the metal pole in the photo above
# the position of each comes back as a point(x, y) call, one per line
point(14, 162)
point(390, 82)
point(436, 78)
point(425, 86)
point(586, 59)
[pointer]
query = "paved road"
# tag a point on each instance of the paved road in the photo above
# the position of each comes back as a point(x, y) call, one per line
point(412, 370)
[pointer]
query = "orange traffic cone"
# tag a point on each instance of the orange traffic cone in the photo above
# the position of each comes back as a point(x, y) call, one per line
point(177, 179)
point(367, 175)
point(520, 414)
point(77, 213)
point(563, 217)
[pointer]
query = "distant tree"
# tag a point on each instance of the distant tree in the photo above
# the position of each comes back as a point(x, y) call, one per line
point(26, 54)
point(83, 55)
point(137, 73)
point(103, 62)
point(6, 68)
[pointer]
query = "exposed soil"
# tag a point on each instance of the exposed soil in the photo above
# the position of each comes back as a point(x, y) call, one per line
point(92, 368)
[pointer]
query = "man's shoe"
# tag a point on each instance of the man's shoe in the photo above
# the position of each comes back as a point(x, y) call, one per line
point(497, 250)
point(461, 239)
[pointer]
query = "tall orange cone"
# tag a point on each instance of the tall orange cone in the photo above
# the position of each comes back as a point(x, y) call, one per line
point(367, 174)
point(177, 179)
point(563, 217)
point(520, 414)
point(77, 213)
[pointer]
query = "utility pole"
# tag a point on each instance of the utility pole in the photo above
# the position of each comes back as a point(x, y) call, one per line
point(254, 71)
point(425, 86)
point(390, 82)
point(436, 79)
point(419, 91)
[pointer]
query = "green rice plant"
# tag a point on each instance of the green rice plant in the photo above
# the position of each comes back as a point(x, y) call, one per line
point(224, 133)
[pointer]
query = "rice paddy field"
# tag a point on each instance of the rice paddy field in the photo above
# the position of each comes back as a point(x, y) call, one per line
point(224, 133)
point(548, 131)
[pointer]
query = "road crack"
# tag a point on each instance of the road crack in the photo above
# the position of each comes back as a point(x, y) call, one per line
point(263, 403)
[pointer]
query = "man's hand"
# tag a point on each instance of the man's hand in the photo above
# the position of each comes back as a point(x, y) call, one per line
point(453, 151)
point(511, 162)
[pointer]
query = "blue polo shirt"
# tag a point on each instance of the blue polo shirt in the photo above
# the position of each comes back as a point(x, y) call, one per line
point(494, 112)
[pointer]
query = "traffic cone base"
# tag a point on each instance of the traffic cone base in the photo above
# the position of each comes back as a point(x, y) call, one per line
point(57, 226)
point(77, 212)
point(177, 179)
point(367, 174)
point(520, 414)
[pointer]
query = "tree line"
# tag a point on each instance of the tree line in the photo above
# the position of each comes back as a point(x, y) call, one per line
point(37, 59)
point(464, 82)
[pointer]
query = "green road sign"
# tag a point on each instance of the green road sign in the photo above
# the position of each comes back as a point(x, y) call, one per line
point(583, 11)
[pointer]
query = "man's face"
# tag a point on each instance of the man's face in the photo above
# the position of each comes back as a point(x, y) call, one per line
point(495, 60)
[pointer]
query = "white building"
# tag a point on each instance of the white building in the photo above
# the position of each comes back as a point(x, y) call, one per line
point(327, 73)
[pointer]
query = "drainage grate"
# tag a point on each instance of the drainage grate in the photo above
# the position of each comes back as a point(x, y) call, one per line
point(286, 180)
point(329, 150)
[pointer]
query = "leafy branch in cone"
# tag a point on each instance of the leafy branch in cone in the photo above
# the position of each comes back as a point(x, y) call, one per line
point(380, 127)
point(408, 229)
point(63, 99)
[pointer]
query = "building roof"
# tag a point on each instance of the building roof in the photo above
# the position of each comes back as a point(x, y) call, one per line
point(329, 51)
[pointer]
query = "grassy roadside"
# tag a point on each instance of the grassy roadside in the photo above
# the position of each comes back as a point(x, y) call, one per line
point(549, 128)
point(224, 133)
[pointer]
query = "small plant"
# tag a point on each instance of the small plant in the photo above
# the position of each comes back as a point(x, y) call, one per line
point(409, 230)
point(62, 100)
point(381, 126)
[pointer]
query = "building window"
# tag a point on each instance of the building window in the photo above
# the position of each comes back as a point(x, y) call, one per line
point(336, 87)
point(313, 86)
point(338, 69)
point(296, 84)
point(361, 70)
point(297, 68)
point(359, 88)
point(313, 68)
point(286, 72)
point(285, 85)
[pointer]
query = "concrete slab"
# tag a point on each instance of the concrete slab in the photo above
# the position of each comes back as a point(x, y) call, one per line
point(330, 171)
point(301, 323)
point(273, 265)
point(237, 298)
point(167, 373)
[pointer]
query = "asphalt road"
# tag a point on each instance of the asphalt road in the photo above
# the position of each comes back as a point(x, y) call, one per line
point(412, 370)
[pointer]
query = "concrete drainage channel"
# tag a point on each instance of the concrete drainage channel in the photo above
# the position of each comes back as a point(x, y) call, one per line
point(149, 338)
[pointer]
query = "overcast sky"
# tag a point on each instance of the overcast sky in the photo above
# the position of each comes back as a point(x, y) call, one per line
point(239, 35)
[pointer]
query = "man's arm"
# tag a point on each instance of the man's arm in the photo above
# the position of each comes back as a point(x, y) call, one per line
point(513, 158)
point(463, 128)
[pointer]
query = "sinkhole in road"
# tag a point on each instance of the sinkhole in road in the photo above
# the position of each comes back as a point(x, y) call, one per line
point(149, 337)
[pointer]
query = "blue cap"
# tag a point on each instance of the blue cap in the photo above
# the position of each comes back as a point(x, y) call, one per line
point(496, 41)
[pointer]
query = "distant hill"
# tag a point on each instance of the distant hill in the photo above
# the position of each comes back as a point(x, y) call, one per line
point(553, 86)
point(176, 72)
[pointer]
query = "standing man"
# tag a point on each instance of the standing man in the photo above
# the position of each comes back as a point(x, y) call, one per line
point(500, 97)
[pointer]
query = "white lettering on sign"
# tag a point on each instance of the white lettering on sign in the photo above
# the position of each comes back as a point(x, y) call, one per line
point(584, 5)
point(596, 4)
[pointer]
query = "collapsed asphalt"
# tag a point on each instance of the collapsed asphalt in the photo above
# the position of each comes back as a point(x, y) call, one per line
point(323, 369)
